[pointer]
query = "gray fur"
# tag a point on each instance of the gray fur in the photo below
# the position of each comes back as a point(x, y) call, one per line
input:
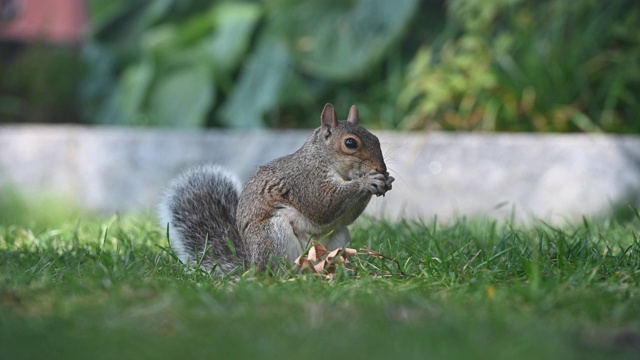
point(313, 193)
point(200, 208)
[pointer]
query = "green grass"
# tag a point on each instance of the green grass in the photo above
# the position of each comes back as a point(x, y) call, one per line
point(471, 290)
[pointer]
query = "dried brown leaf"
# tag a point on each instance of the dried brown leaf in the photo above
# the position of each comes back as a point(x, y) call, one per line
point(317, 252)
point(304, 264)
point(349, 252)
point(321, 266)
point(320, 260)
point(375, 254)
point(332, 255)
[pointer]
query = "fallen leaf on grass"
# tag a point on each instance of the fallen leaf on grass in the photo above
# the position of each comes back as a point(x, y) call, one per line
point(319, 260)
point(323, 262)
point(375, 254)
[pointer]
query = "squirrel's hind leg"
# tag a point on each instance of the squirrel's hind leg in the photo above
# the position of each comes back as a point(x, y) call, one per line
point(280, 243)
point(287, 243)
point(338, 238)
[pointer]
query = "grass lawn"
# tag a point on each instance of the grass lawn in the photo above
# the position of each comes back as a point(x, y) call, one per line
point(470, 290)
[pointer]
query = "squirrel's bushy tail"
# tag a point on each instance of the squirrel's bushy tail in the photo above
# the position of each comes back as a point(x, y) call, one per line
point(200, 208)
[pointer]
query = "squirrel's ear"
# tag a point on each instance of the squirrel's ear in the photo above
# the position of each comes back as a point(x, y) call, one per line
point(329, 120)
point(353, 115)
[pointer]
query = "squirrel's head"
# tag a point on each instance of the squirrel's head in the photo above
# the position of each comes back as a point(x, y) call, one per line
point(357, 151)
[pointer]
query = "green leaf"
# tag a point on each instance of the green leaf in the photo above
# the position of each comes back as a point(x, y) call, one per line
point(182, 96)
point(134, 85)
point(340, 39)
point(259, 86)
point(235, 23)
point(126, 20)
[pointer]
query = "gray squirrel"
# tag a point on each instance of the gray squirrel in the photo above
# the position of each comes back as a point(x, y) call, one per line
point(313, 193)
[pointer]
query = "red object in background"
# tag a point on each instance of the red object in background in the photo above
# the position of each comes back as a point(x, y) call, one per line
point(54, 21)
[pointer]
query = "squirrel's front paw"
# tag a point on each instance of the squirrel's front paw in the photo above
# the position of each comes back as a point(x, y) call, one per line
point(388, 182)
point(377, 183)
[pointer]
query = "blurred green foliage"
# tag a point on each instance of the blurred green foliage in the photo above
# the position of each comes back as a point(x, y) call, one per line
point(38, 211)
point(530, 66)
point(502, 65)
point(233, 63)
point(39, 83)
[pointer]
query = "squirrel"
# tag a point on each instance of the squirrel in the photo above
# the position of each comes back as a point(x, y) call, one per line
point(313, 193)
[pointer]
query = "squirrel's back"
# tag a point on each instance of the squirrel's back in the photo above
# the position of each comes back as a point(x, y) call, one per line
point(200, 208)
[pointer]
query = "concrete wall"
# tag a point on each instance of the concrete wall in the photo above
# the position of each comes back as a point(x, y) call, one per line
point(557, 177)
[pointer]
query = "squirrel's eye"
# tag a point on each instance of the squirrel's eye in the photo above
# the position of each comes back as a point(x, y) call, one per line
point(351, 143)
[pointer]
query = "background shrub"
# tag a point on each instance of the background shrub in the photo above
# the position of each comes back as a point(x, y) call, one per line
point(504, 65)
point(532, 66)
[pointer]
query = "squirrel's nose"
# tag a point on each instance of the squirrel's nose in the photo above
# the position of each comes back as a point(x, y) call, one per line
point(382, 168)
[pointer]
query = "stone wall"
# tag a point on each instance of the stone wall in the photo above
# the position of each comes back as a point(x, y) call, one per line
point(555, 177)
